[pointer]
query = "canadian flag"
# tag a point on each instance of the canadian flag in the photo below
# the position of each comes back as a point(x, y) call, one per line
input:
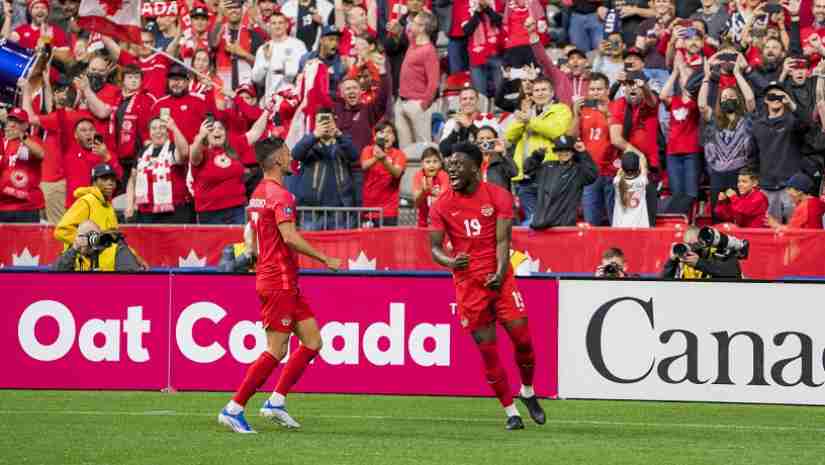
point(313, 90)
point(118, 19)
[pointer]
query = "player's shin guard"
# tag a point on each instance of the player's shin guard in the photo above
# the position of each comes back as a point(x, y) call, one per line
point(525, 357)
point(256, 376)
point(495, 373)
point(294, 369)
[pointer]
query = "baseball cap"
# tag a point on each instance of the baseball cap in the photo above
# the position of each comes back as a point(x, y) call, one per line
point(774, 85)
point(199, 10)
point(178, 70)
point(19, 115)
point(330, 30)
point(801, 182)
point(633, 51)
point(630, 162)
point(103, 169)
point(248, 88)
point(564, 143)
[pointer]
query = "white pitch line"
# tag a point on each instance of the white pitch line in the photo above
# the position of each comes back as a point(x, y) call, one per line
point(172, 413)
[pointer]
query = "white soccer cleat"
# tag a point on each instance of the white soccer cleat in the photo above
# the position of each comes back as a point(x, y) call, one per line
point(236, 423)
point(278, 414)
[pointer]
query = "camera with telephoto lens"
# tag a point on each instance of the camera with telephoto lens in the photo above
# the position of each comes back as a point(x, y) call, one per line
point(103, 240)
point(680, 249)
point(724, 244)
point(612, 270)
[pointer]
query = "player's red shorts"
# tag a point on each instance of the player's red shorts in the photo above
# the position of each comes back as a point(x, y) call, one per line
point(479, 306)
point(282, 308)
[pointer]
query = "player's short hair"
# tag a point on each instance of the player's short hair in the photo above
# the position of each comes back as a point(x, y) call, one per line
point(471, 150)
point(265, 148)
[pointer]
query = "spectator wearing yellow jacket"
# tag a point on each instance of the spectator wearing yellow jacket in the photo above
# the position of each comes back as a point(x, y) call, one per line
point(92, 203)
point(536, 126)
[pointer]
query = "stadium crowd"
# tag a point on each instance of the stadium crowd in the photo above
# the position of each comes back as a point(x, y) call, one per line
point(603, 111)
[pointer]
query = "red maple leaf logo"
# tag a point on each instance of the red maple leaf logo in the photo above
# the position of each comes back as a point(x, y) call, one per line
point(111, 6)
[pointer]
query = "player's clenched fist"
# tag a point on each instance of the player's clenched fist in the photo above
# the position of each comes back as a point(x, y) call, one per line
point(460, 261)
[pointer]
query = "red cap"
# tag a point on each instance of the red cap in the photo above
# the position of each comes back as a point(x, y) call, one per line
point(31, 3)
point(248, 88)
point(19, 115)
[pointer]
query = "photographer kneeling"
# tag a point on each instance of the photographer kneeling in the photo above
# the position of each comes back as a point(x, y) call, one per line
point(706, 254)
point(94, 250)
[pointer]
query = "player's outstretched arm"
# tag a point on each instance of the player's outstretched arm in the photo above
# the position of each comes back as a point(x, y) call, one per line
point(460, 261)
point(504, 229)
point(297, 243)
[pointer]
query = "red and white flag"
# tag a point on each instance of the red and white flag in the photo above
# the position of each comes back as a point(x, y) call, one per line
point(118, 19)
point(313, 90)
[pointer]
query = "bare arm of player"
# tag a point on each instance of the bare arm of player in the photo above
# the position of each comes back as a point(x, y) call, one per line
point(504, 229)
point(300, 245)
point(250, 239)
point(459, 262)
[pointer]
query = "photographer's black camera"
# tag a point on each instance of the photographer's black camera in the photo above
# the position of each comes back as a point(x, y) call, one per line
point(681, 249)
point(612, 270)
point(102, 240)
point(724, 244)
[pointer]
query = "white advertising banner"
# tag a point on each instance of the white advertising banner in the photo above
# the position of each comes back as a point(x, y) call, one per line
point(693, 341)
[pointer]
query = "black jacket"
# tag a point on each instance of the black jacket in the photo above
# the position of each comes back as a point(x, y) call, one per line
point(560, 188)
point(501, 170)
point(713, 266)
point(777, 148)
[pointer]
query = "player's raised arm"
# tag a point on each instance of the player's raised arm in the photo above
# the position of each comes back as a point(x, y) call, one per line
point(297, 243)
point(460, 261)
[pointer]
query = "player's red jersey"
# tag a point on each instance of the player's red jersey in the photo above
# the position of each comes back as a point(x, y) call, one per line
point(270, 205)
point(469, 221)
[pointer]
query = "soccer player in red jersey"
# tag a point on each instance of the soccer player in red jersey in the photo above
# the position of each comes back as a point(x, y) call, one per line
point(283, 308)
point(477, 218)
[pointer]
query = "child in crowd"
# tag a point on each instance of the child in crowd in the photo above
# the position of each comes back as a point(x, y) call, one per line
point(630, 207)
point(429, 182)
point(748, 207)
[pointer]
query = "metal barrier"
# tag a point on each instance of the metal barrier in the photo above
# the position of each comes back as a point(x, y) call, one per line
point(329, 218)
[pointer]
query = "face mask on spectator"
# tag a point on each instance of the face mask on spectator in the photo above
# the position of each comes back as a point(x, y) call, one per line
point(96, 81)
point(728, 106)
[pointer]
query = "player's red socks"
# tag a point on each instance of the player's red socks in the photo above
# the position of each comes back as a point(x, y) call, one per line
point(495, 373)
point(294, 369)
point(525, 357)
point(256, 376)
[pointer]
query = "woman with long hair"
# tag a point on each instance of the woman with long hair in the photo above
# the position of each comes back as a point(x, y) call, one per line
point(217, 166)
point(156, 191)
point(383, 164)
point(728, 127)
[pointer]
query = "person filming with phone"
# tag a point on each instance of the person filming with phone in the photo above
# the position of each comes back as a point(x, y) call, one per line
point(325, 178)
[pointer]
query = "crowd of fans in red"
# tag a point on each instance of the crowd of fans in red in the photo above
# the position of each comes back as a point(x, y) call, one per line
point(605, 111)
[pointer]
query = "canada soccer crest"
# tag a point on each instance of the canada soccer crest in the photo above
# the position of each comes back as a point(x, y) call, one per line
point(222, 161)
point(286, 321)
point(487, 210)
point(19, 179)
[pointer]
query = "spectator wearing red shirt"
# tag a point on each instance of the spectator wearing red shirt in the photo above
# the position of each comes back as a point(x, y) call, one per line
point(101, 97)
point(85, 151)
point(483, 32)
point(809, 210)
point(357, 26)
point(29, 35)
point(459, 59)
point(196, 37)
point(428, 184)
point(188, 110)
point(591, 124)
point(747, 208)
point(153, 66)
point(683, 158)
point(383, 164)
point(420, 71)
point(634, 122)
point(52, 181)
point(218, 171)
point(157, 191)
point(131, 118)
point(20, 196)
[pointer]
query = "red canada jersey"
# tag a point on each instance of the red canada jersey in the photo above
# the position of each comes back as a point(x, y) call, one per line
point(469, 221)
point(154, 67)
point(270, 205)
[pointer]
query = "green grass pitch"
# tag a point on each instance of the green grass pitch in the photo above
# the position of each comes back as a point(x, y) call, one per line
point(146, 428)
